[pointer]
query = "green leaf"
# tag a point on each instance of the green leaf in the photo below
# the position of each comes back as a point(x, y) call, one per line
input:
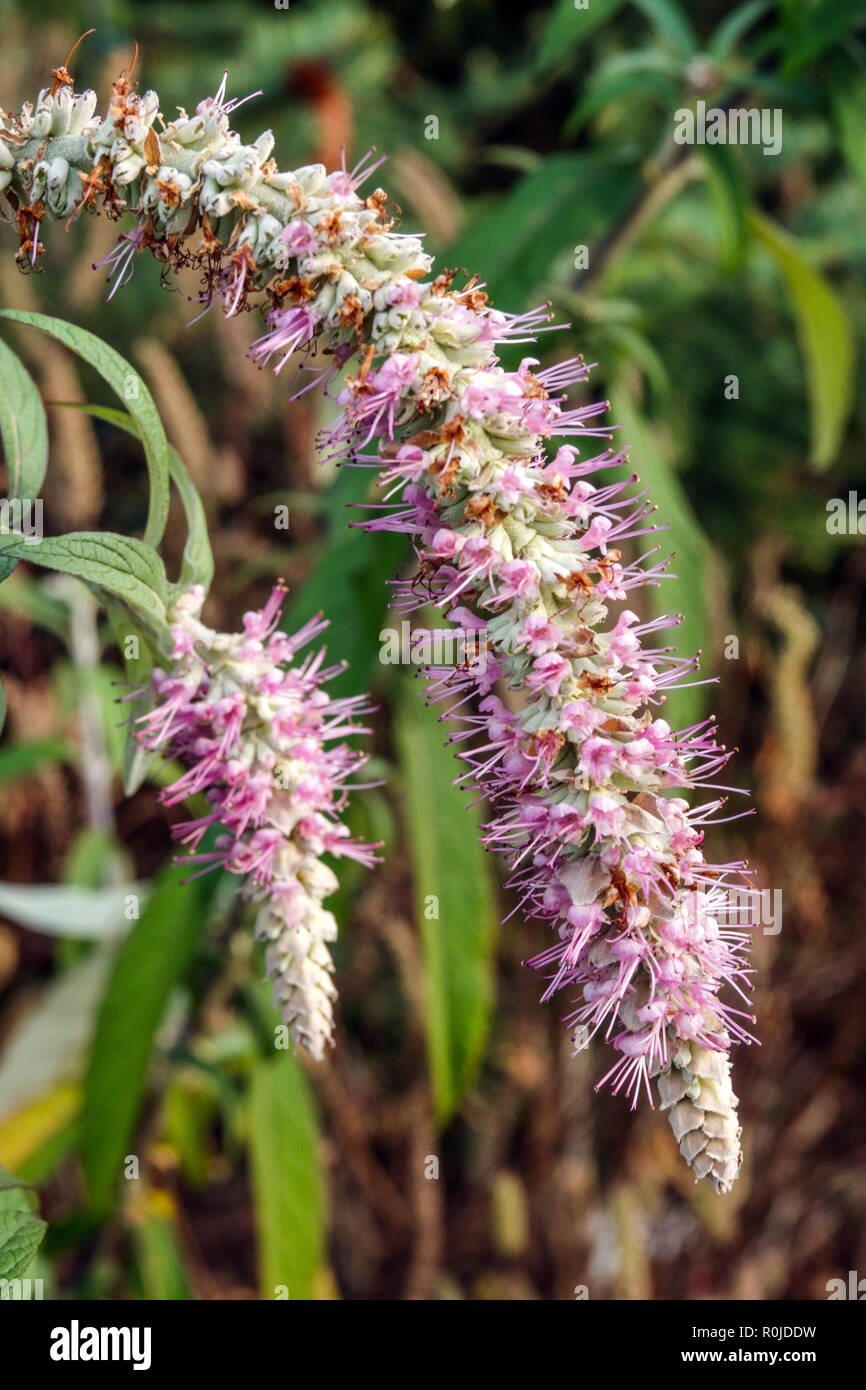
point(570, 199)
point(109, 413)
point(22, 759)
point(27, 598)
point(621, 84)
point(94, 858)
point(62, 909)
point(728, 34)
point(137, 761)
point(669, 21)
point(20, 1237)
point(288, 1187)
point(822, 26)
point(23, 428)
point(728, 188)
point(451, 872)
point(197, 556)
point(567, 27)
point(119, 565)
point(848, 95)
point(825, 335)
point(152, 959)
point(349, 583)
point(159, 1257)
point(18, 1197)
point(126, 382)
point(686, 593)
point(197, 566)
point(8, 1181)
point(48, 1043)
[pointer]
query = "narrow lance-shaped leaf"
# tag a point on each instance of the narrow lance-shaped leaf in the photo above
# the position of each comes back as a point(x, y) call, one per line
point(65, 909)
point(734, 27)
point(197, 565)
point(685, 591)
point(23, 428)
point(567, 26)
point(822, 25)
point(159, 1254)
point(24, 758)
point(848, 95)
point(348, 583)
point(123, 379)
point(647, 74)
point(196, 568)
point(728, 187)
point(671, 24)
point(120, 565)
point(151, 960)
point(288, 1188)
point(47, 1046)
point(536, 221)
point(139, 661)
point(454, 901)
point(825, 333)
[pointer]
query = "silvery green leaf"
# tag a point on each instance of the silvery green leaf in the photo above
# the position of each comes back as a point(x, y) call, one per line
point(61, 909)
point(47, 1045)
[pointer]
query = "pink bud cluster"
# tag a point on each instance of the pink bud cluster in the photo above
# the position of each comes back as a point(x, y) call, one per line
point(259, 739)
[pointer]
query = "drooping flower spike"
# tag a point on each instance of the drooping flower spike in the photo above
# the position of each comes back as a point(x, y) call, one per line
point(578, 764)
point(259, 738)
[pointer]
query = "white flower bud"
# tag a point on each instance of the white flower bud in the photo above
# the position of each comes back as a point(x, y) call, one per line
point(706, 1123)
point(128, 170)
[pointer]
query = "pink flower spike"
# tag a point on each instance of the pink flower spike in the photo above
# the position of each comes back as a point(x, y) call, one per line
point(253, 731)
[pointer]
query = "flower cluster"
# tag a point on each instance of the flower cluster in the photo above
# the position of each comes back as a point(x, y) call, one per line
point(190, 177)
point(257, 736)
point(580, 769)
point(562, 719)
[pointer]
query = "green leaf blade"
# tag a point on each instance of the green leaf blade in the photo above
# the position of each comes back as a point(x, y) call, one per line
point(128, 384)
point(154, 956)
point(826, 337)
point(23, 427)
point(288, 1187)
point(449, 865)
point(20, 1237)
point(822, 26)
point(686, 591)
point(119, 565)
point(567, 27)
point(198, 562)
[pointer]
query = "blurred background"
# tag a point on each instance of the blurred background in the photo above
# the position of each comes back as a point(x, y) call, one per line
point(451, 1147)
